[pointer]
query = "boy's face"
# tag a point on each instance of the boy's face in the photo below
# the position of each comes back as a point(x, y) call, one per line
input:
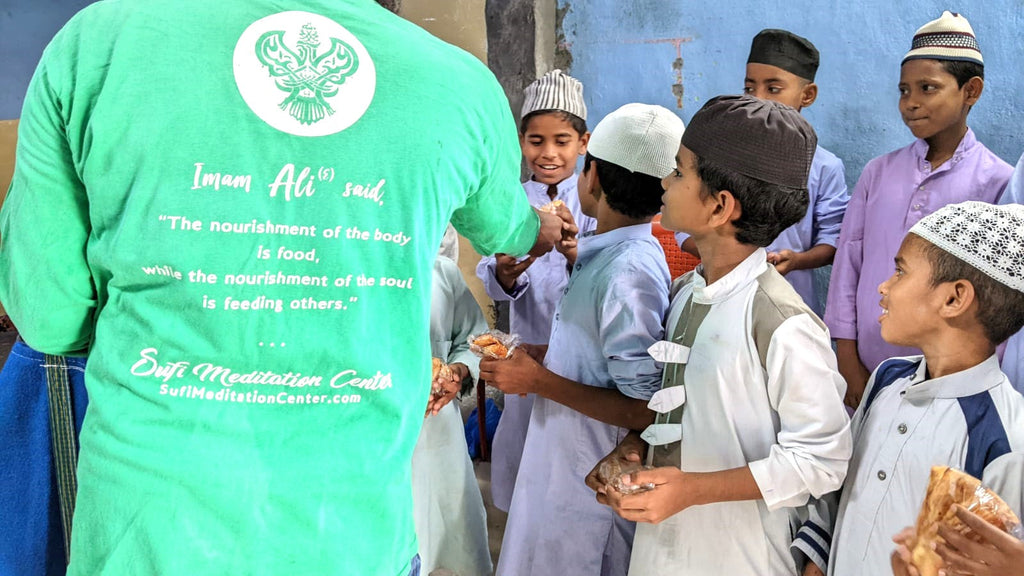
point(586, 189)
point(910, 304)
point(930, 100)
point(768, 82)
point(551, 146)
point(684, 206)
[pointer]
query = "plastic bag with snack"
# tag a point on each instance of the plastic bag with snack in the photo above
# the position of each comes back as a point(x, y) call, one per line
point(493, 344)
point(611, 471)
point(946, 488)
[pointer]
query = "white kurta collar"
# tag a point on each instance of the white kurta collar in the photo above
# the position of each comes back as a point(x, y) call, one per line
point(565, 186)
point(974, 380)
point(736, 280)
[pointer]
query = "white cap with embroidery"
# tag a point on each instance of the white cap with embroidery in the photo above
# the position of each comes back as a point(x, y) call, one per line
point(640, 138)
point(988, 237)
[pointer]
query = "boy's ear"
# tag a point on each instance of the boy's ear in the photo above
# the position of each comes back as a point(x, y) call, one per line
point(726, 210)
point(584, 140)
point(958, 298)
point(808, 95)
point(972, 90)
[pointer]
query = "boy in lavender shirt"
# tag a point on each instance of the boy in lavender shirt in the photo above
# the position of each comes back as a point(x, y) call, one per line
point(941, 78)
point(553, 135)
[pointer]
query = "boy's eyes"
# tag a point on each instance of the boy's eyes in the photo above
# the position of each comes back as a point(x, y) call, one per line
point(676, 173)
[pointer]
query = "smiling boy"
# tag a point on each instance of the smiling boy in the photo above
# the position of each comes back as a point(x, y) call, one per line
point(956, 292)
point(941, 79)
point(553, 136)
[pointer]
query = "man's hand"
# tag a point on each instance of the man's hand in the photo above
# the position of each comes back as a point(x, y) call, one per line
point(447, 386)
point(629, 451)
point(671, 494)
point(785, 261)
point(519, 374)
point(900, 559)
point(549, 234)
point(998, 553)
point(852, 370)
point(507, 269)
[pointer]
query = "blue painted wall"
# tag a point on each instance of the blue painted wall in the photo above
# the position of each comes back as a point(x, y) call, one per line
point(26, 27)
point(616, 54)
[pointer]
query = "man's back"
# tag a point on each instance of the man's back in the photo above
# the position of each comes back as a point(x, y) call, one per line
point(236, 211)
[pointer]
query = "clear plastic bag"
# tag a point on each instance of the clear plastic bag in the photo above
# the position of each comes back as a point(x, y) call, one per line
point(613, 470)
point(493, 344)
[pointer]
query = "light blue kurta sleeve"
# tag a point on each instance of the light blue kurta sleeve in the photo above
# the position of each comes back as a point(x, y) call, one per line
point(632, 316)
point(830, 204)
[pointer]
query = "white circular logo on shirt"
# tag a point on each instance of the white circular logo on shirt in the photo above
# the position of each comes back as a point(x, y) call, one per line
point(304, 74)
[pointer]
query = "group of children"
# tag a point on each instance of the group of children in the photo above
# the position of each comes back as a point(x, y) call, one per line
point(724, 383)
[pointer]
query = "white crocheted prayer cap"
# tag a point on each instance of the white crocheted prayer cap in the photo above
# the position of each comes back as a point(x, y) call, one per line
point(639, 137)
point(949, 37)
point(988, 237)
point(555, 91)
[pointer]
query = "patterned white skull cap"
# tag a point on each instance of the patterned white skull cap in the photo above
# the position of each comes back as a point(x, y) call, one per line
point(986, 236)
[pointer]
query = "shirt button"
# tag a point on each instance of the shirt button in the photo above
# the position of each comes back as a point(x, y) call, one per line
point(556, 316)
point(565, 290)
point(881, 474)
point(902, 428)
point(921, 188)
point(917, 206)
point(579, 266)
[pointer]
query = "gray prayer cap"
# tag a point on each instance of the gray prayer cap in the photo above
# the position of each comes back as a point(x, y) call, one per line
point(760, 139)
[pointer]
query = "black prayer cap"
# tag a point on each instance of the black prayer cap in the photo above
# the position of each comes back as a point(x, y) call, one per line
point(785, 50)
point(761, 139)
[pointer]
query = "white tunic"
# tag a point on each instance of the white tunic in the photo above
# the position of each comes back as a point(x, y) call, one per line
point(972, 420)
point(761, 390)
point(448, 511)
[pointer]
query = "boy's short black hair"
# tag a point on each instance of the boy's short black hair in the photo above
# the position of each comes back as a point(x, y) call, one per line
point(632, 194)
point(765, 209)
point(1000, 308)
point(963, 70)
point(578, 124)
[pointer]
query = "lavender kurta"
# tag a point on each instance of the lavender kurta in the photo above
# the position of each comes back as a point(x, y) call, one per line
point(532, 306)
point(1013, 358)
point(893, 193)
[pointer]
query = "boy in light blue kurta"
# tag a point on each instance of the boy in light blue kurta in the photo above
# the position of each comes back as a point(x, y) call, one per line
point(597, 375)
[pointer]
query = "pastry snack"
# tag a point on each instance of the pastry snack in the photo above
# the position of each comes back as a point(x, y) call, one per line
point(946, 488)
point(439, 369)
point(493, 344)
point(552, 207)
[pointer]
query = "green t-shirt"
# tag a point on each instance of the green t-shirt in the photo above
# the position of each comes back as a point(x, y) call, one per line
point(235, 210)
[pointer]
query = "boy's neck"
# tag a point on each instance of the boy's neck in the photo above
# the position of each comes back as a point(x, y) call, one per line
point(720, 255)
point(952, 350)
point(943, 145)
point(608, 220)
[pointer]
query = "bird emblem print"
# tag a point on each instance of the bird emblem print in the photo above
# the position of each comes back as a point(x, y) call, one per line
point(306, 74)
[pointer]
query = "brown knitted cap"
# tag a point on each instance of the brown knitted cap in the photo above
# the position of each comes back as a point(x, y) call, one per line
point(760, 139)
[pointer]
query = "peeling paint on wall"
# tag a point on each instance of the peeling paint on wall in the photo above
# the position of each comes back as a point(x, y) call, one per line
point(861, 44)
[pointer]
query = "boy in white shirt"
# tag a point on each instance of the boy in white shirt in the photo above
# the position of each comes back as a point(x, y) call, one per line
point(957, 291)
point(763, 428)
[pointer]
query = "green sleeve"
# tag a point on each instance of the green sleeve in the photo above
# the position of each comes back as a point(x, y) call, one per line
point(497, 216)
point(45, 282)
